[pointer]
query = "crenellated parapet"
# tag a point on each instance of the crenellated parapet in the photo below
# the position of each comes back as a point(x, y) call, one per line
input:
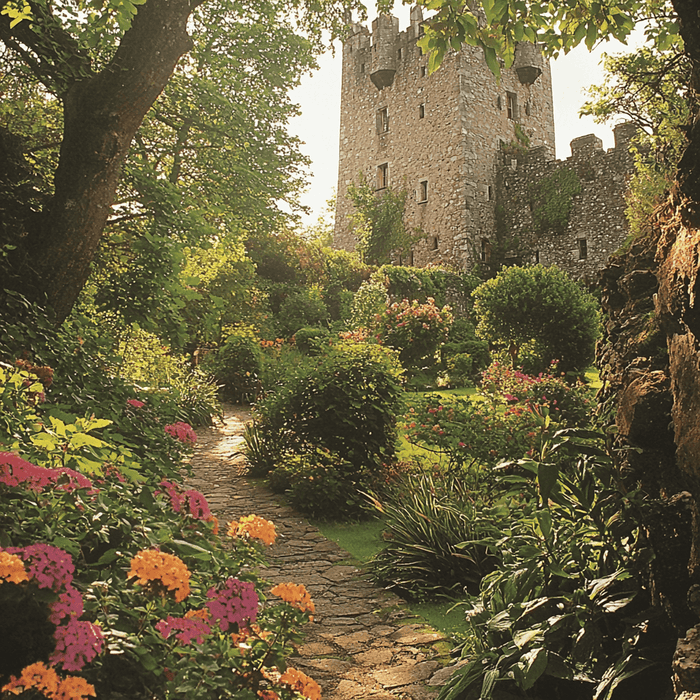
point(570, 213)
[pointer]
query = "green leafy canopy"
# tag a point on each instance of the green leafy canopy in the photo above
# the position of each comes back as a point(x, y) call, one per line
point(559, 25)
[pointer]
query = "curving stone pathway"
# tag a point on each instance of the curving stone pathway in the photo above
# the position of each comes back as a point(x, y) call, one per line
point(363, 642)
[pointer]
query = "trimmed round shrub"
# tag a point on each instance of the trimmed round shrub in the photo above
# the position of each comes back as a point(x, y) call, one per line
point(541, 306)
point(347, 403)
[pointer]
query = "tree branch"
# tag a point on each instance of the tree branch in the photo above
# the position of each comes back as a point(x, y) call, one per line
point(54, 56)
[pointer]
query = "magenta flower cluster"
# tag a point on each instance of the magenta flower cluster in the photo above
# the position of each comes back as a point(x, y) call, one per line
point(235, 604)
point(49, 566)
point(191, 501)
point(187, 630)
point(15, 471)
point(182, 432)
point(135, 403)
point(77, 641)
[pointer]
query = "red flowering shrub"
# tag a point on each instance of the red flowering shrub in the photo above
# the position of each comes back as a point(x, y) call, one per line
point(182, 432)
point(567, 403)
point(469, 433)
point(507, 424)
point(415, 330)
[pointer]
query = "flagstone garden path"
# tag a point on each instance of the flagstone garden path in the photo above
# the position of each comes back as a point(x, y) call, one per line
point(363, 642)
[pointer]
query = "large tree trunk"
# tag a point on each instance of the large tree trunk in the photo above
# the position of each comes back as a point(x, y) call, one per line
point(101, 115)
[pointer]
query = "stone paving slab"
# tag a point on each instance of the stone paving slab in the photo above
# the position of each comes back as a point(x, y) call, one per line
point(363, 642)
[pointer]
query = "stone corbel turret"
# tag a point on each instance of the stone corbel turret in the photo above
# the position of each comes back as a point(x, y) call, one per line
point(385, 31)
point(528, 62)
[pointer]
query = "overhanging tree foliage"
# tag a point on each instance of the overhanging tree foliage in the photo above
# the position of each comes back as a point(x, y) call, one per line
point(106, 66)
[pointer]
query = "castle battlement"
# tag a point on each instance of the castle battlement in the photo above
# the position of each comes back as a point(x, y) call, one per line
point(440, 137)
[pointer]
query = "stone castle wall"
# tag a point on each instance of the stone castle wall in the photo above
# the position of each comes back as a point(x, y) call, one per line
point(442, 138)
point(446, 138)
point(597, 226)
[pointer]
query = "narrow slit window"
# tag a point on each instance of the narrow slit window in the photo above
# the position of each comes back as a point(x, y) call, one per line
point(421, 111)
point(400, 52)
point(582, 248)
point(382, 176)
point(382, 120)
point(423, 71)
point(434, 243)
point(512, 105)
point(485, 252)
point(423, 191)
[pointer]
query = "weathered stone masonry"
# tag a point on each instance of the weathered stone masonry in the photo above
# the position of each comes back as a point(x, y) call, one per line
point(445, 138)
point(596, 223)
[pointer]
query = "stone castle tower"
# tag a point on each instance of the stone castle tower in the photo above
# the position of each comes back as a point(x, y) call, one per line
point(448, 139)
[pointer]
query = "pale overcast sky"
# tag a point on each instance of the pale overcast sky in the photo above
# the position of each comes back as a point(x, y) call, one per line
point(319, 97)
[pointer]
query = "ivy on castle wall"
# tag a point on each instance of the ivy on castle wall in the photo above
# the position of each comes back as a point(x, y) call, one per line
point(552, 198)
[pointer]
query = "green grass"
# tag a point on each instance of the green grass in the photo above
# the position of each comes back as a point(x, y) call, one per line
point(364, 539)
point(446, 616)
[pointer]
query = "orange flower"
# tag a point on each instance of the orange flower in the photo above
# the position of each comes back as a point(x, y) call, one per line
point(215, 520)
point(302, 683)
point(12, 568)
point(202, 614)
point(38, 676)
point(74, 688)
point(161, 572)
point(295, 594)
point(253, 526)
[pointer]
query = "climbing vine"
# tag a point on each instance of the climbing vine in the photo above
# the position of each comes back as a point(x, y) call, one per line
point(378, 222)
point(551, 200)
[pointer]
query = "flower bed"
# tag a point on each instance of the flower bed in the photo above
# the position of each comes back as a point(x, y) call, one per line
point(114, 579)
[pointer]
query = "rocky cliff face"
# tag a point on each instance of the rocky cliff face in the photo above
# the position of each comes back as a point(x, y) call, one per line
point(650, 365)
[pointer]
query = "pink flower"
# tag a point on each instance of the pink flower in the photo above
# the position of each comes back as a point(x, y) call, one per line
point(174, 494)
point(182, 432)
point(69, 604)
point(135, 403)
point(77, 643)
point(15, 471)
point(51, 567)
point(236, 604)
point(197, 502)
point(187, 629)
